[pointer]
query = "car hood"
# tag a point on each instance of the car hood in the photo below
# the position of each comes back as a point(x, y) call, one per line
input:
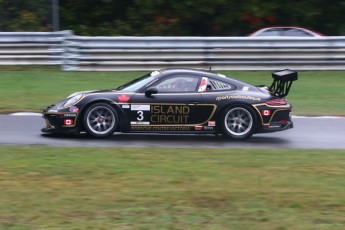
point(90, 92)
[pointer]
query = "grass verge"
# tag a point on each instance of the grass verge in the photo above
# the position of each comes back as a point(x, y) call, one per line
point(154, 188)
point(32, 89)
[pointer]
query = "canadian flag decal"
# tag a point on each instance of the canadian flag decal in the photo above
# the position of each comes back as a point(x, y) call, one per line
point(266, 112)
point(68, 122)
point(123, 98)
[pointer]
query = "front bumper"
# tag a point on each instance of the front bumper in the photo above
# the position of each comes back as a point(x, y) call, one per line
point(60, 122)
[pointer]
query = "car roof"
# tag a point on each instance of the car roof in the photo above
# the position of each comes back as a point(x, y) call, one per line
point(309, 31)
point(206, 73)
point(185, 70)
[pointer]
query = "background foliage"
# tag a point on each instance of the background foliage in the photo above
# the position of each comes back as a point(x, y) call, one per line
point(170, 17)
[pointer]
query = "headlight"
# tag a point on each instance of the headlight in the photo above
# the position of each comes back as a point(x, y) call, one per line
point(74, 94)
point(73, 100)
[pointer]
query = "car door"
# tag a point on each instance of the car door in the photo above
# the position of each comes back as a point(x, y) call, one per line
point(175, 105)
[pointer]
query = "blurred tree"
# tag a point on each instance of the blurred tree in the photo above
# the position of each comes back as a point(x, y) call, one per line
point(189, 17)
point(319, 15)
point(19, 15)
point(94, 17)
point(173, 18)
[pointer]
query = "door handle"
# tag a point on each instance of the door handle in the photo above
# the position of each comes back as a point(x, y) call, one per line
point(193, 102)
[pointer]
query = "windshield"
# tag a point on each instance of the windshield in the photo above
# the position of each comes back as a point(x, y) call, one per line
point(138, 83)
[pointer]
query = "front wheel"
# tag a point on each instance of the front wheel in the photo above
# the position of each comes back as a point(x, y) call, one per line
point(100, 120)
point(238, 122)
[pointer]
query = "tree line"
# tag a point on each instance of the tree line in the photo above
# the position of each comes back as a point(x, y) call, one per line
point(171, 17)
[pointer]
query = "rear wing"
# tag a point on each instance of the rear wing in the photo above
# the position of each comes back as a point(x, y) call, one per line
point(282, 82)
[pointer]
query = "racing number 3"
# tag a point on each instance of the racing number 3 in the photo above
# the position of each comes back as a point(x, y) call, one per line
point(140, 115)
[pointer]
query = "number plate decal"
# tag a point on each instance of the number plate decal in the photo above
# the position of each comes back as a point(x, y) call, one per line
point(140, 114)
point(140, 107)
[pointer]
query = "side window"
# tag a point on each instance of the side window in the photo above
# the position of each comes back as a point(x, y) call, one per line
point(215, 85)
point(178, 84)
point(270, 32)
point(296, 32)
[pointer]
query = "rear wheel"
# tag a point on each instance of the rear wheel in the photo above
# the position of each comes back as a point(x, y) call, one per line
point(238, 122)
point(100, 120)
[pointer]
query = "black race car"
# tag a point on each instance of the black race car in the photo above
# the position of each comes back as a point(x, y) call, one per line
point(177, 101)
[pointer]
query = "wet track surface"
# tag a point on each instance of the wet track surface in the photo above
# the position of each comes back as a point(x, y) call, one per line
point(309, 133)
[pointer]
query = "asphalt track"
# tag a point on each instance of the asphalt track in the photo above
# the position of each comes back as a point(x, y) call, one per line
point(309, 133)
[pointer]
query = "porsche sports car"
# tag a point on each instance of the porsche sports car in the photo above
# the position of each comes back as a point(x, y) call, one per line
point(177, 100)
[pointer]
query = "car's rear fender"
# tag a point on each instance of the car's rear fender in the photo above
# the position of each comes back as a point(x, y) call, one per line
point(256, 115)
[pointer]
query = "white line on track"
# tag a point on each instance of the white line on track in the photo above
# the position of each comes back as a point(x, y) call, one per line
point(26, 114)
point(319, 117)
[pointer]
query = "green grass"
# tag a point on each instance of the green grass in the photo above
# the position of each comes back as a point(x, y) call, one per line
point(32, 89)
point(153, 188)
point(35, 89)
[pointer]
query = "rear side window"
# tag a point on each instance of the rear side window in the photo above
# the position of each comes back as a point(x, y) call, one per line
point(219, 85)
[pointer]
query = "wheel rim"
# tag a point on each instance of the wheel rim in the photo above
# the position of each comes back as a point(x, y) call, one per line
point(100, 120)
point(238, 121)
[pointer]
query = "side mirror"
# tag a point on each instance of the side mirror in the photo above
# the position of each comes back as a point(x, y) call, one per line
point(150, 91)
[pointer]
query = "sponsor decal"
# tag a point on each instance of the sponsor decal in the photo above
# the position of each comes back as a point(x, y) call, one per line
point(69, 115)
point(123, 98)
point(68, 122)
point(266, 112)
point(211, 123)
point(140, 107)
point(272, 126)
point(199, 128)
point(233, 97)
point(159, 128)
point(73, 109)
point(245, 88)
point(208, 128)
point(174, 114)
point(203, 84)
point(125, 106)
point(140, 123)
point(52, 111)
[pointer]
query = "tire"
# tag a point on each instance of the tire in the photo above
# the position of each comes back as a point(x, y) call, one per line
point(100, 120)
point(238, 122)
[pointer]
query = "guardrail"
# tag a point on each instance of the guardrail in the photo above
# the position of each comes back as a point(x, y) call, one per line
point(221, 53)
point(81, 53)
point(32, 48)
